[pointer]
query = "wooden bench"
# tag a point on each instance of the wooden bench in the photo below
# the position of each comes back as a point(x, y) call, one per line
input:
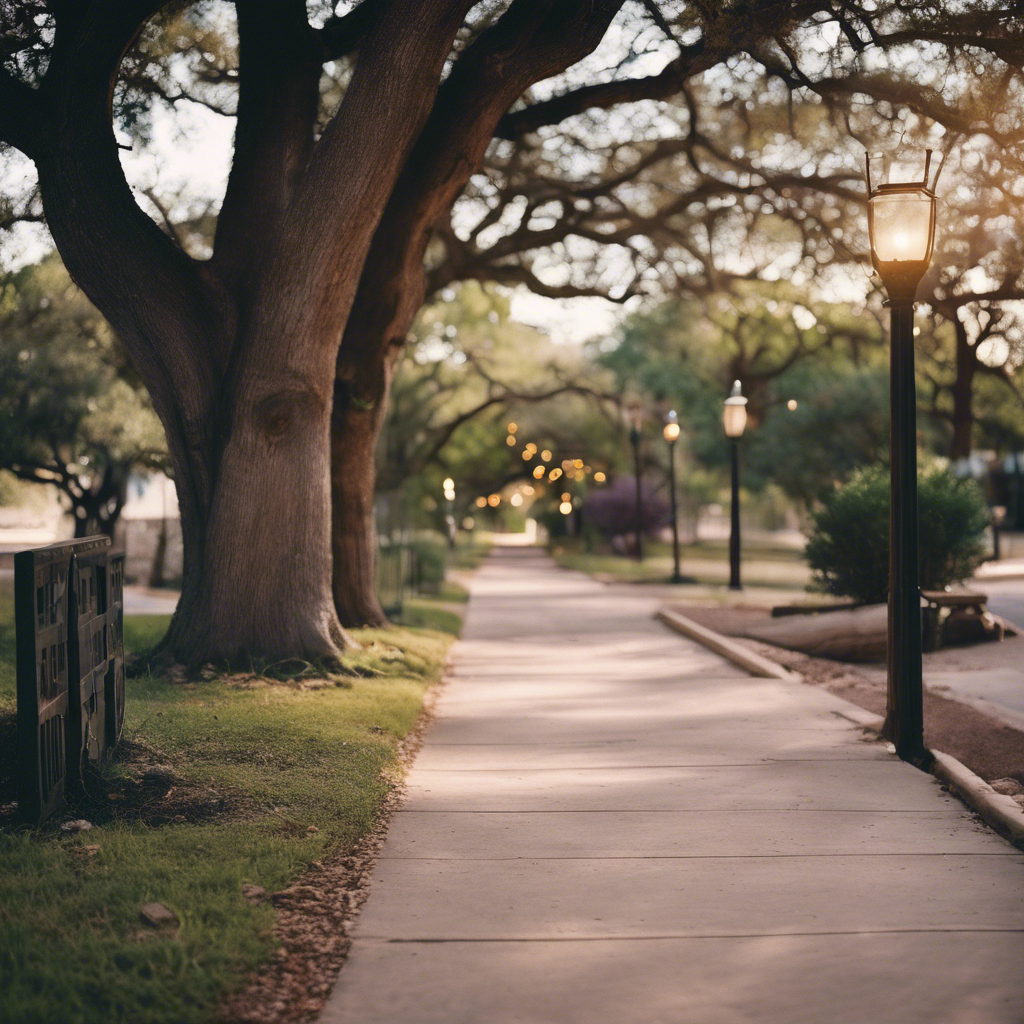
point(961, 612)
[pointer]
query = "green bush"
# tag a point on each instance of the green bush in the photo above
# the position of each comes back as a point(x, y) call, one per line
point(431, 556)
point(849, 545)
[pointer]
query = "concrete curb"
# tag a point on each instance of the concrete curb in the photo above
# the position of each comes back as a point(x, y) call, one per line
point(1001, 812)
point(755, 664)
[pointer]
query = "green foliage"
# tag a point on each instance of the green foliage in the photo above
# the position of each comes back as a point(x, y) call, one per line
point(470, 371)
point(849, 546)
point(431, 562)
point(71, 412)
point(840, 424)
point(782, 346)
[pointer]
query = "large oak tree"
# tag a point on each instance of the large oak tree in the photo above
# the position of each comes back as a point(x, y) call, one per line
point(269, 360)
point(239, 351)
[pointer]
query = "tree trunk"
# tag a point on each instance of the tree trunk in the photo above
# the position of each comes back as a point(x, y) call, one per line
point(963, 387)
point(238, 352)
point(98, 511)
point(531, 41)
point(355, 427)
point(255, 580)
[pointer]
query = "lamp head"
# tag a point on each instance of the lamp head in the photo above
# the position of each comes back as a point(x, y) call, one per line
point(901, 225)
point(734, 413)
point(671, 429)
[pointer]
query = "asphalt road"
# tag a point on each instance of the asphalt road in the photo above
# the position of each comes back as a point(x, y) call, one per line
point(1005, 598)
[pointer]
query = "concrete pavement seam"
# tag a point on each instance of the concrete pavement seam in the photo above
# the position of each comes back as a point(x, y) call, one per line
point(999, 811)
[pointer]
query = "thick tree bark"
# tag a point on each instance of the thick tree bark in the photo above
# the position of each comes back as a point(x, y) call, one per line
point(531, 41)
point(355, 428)
point(239, 353)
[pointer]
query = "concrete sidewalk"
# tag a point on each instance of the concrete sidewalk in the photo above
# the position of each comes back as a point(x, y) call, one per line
point(608, 825)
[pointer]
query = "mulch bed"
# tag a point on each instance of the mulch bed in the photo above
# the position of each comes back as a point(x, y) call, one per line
point(315, 917)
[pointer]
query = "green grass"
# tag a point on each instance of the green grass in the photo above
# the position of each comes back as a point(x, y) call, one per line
point(469, 553)
point(452, 592)
point(276, 777)
point(705, 563)
point(425, 614)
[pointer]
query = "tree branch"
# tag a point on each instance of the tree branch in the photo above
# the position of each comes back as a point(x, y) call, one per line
point(341, 35)
point(667, 83)
point(277, 106)
point(23, 117)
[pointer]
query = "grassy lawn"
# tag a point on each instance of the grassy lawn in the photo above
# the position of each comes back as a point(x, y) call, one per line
point(705, 563)
point(216, 785)
point(469, 551)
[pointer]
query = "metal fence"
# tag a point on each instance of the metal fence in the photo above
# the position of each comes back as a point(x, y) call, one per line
point(397, 576)
point(69, 618)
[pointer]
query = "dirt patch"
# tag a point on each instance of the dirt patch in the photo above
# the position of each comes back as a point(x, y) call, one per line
point(142, 787)
point(987, 746)
point(315, 916)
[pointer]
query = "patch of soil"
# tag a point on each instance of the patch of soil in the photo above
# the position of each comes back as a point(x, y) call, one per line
point(315, 917)
point(987, 746)
point(137, 785)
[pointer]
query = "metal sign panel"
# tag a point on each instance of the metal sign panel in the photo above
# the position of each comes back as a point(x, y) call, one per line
point(114, 679)
point(89, 657)
point(41, 587)
point(69, 612)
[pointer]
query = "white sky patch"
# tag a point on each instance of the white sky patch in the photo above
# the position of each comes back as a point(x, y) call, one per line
point(190, 155)
point(566, 320)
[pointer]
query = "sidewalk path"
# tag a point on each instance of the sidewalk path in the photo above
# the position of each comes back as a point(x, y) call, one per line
point(608, 825)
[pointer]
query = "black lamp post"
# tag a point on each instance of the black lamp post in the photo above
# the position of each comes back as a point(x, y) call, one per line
point(449, 504)
point(901, 223)
point(634, 416)
point(734, 419)
point(671, 433)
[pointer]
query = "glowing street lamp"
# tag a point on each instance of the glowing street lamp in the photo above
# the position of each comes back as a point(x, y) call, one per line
point(901, 225)
point(449, 500)
point(671, 434)
point(734, 419)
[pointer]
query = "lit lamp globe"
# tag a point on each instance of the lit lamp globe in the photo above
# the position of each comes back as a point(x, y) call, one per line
point(734, 413)
point(671, 429)
point(901, 226)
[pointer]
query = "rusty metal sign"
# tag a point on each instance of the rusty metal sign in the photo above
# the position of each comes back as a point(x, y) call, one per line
point(69, 614)
point(114, 680)
point(41, 590)
point(87, 714)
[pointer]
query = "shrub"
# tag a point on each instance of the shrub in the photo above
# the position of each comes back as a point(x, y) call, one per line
point(431, 560)
point(612, 509)
point(849, 544)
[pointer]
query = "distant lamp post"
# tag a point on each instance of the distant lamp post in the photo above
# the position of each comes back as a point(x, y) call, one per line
point(633, 414)
point(671, 432)
point(901, 224)
point(734, 419)
point(449, 518)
